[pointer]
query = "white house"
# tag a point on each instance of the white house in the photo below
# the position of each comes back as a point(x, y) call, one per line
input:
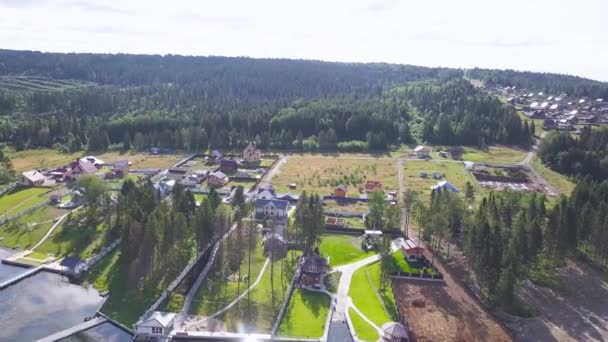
point(32, 178)
point(271, 208)
point(445, 185)
point(251, 154)
point(422, 152)
point(156, 323)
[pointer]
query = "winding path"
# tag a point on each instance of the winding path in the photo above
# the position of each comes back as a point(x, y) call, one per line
point(50, 231)
point(236, 300)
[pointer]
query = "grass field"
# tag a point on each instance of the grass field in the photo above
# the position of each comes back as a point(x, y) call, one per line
point(494, 154)
point(561, 182)
point(377, 305)
point(21, 198)
point(39, 159)
point(359, 207)
point(263, 310)
point(354, 222)
point(404, 266)
point(217, 292)
point(454, 172)
point(266, 162)
point(27, 230)
point(306, 315)
point(342, 249)
point(74, 238)
point(122, 305)
point(321, 175)
point(363, 329)
point(142, 160)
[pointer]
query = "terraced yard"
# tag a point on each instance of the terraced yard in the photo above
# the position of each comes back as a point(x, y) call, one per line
point(74, 238)
point(29, 229)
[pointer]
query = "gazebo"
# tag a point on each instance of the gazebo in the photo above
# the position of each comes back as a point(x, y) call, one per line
point(394, 332)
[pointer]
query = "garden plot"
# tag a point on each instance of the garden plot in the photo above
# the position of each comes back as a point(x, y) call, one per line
point(419, 175)
point(322, 174)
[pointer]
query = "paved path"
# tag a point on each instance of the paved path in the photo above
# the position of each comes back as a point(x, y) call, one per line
point(236, 300)
point(50, 231)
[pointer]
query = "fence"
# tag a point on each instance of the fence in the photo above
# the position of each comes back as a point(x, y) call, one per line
point(104, 251)
point(23, 212)
point(277, 323)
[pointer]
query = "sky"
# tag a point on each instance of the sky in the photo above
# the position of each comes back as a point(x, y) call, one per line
point(537, 35)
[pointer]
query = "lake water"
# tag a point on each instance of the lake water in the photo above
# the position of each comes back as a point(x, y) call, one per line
point(106, 332)
point(42, 304)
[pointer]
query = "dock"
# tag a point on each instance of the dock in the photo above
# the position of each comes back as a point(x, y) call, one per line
point(73, 330)
point(30, 272)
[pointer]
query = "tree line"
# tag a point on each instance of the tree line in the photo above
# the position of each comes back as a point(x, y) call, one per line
point(585, 155)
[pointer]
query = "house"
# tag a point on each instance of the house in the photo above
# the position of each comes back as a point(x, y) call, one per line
point(291, 198)
point(83, 167)
point(242, 174)
point(266, 187)
point(411, 251)
point(394, 332)
point(313, 270)
point(72, 265)
point(456, 152)
point(156, 324)
point(275, 246)
point(228, 165)
point(271, 209)
point(251, 154)
point(371, 185)
point(340, 191)
point(445, 185)
point(217, 179)
point(215, 155)
point(32, 178)
point(266, 194)
point(422, 152)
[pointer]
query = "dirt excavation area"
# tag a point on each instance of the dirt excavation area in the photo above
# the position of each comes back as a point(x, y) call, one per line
point(577, 311)
point(444, 312)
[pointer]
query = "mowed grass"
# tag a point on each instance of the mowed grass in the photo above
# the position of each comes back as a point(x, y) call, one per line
point(27, 230)
point(41, 158)
point(559, 181)
point(454, 172)
point(321, 175)
point(494, 154)
point(376, 304)
point(21, 198)
point(363, 329)
point(306, 315)
point(217, 292)
point(74, 239)
point(359, 207)
point(342, 249)
point(260, 314)
point(123, 305)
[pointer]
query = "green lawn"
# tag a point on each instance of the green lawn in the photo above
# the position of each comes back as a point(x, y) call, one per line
point(377, 305)
point(259, 316)
point(118, 182)
point(404, 266)
point(21, 198)
point(494, 154)
point(363, 329)
point(306, 315)
point(454, 172)
point(561, 182)
point(199, 197)
point(342, 249)
point(266, 162)
point(216, 292)
point(122, 305)
point(74, 238)
point(27, 230)
point(38, 256)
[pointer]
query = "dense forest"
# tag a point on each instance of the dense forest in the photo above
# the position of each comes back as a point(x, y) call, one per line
point(192, 103)
point(585, 155)
point(549, 83)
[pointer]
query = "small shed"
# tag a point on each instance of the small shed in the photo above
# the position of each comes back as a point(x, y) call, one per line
point(422, 152)
point(340, 191)
point(411, 251)
point(445, 185)
point(313, 270)
point(32, 178)
point(156, 323)
point(228, 165)
point(72, 265)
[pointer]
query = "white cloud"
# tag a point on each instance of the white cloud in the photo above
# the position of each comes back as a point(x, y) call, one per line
point(541, 35)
